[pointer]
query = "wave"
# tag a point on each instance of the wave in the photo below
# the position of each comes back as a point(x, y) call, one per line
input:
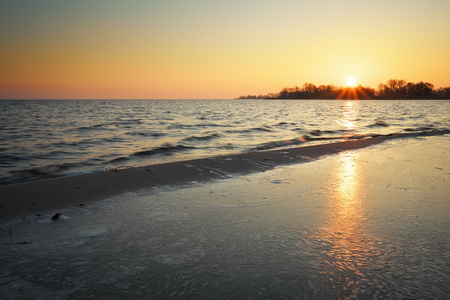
point(124, 123)
point(48, 171)
point(278, 144)
point(201, 138)
point(146, 134)
point(299, 141)
point(265, 128)
point(319, 132)
point(118, 160)
point(408, 132)
point(189, 126)
point(10, 158)
point(283, 124)
point(416, 129)
point(91, 127)
point(379, 123)
point(166, 149)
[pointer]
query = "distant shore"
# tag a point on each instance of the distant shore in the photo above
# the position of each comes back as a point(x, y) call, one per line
point(393, 90)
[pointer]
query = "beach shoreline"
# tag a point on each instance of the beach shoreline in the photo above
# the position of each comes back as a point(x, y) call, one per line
point(36, 198)
point(365, 223)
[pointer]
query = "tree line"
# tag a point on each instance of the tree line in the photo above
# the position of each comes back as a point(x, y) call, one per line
point(393, 89)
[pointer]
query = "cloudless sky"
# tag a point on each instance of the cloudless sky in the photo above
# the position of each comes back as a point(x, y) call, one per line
point(215, 49)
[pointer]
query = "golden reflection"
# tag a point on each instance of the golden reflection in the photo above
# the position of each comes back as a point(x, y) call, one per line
point(350, 116)
point(349, 249)
point(345, 215)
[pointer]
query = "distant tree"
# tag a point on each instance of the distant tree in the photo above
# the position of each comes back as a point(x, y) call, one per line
point(393, 89)
point(443, 93)
point(419, 90)
point(309, 89)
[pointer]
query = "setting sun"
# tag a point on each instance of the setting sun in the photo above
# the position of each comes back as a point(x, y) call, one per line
point(351, 81)
point(182, 50)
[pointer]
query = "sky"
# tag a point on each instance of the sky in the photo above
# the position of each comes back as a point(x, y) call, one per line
point(205, 49)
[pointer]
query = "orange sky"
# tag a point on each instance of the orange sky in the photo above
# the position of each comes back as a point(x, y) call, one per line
point(215, 49)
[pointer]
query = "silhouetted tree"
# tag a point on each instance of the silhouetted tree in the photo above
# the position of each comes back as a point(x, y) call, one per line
point(393, 89)
point(443, 93)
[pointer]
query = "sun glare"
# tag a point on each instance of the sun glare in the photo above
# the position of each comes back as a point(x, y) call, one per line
point(351, 81)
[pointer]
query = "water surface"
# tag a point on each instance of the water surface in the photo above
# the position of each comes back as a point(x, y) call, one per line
point(41, 139)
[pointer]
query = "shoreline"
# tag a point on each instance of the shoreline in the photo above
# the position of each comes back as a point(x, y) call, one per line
point(370, 223)
point(25, 200)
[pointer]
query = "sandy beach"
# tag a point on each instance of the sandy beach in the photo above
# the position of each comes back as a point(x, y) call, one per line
point(368, 220)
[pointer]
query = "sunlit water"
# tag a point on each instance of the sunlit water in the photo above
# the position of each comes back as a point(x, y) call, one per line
point(41, 139)
point(365, 224)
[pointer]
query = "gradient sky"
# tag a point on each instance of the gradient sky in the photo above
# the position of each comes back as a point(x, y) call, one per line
point(215, 49)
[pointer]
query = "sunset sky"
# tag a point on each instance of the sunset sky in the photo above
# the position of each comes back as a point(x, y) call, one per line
point(133, 49)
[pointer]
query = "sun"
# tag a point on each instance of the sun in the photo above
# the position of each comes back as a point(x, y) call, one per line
point(351, 81)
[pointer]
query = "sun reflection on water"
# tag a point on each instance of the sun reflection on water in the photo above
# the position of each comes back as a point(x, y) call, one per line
point(344, 232)
point(350, 115)
point(345, 216)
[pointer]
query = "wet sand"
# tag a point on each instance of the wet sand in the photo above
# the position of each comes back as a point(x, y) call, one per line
point(363, 224)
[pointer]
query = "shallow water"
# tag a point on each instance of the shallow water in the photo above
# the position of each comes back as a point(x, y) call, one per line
point(365, 224)
point(42, 139)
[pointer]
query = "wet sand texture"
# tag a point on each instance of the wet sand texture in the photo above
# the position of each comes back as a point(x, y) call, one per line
point(364, 224)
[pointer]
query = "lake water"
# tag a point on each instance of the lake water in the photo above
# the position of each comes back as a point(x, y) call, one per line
point(51, 138)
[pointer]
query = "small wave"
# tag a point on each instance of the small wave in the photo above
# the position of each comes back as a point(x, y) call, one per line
point(265, 128)
point(418, 129)
point(310, 138)
point(10, 158)
point(127, 122)
point(283, 124)
point(189, 126)
point(318, 132)
point(201, 138)
point(315, 132)
point(37, 173)
point(147, 134)
point(238, 131)
point(421, 116)
point(278, 144)
point(249, 130)
point(119, 159)
point(228, 146)
point(85, 172)
point(379, 122)
point(114, 139)
point(91, 127)
point(72, 144)
point(307, 138)
point(119, 123)
point(166, 149)
point(48, 171)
